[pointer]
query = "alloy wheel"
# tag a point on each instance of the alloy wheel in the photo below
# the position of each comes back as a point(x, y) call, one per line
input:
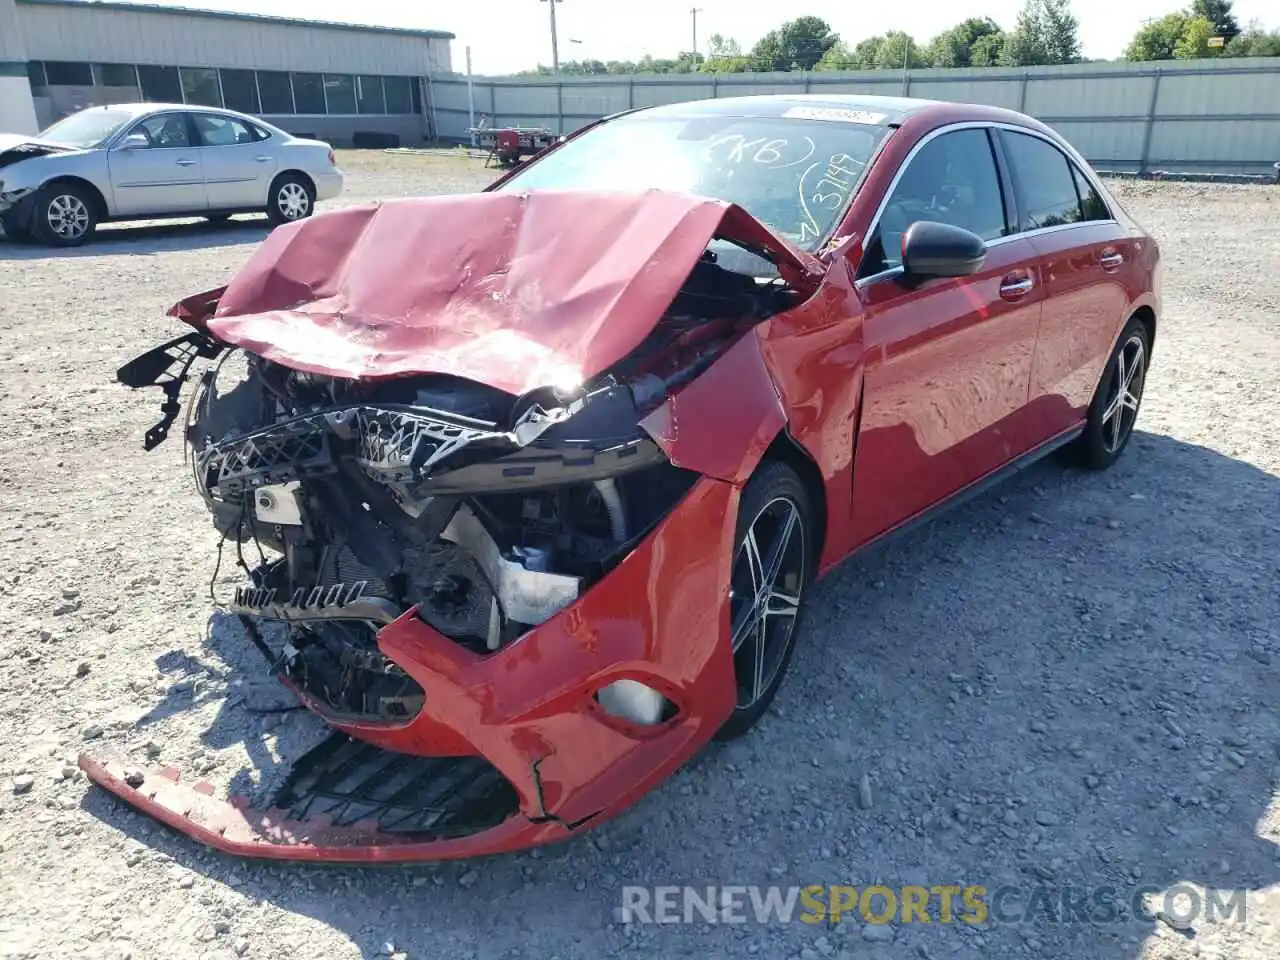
point(766, 583)
point(293, 201)
point(68, 216)
point(1125, 395)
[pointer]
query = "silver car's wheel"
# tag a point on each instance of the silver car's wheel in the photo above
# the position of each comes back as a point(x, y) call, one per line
point(65, 215)
point(68, 217)
point(292, 199)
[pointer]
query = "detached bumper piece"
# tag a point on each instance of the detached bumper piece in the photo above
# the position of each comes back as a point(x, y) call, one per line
point(344, 801)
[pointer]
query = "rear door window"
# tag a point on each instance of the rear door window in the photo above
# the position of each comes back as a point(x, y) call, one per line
point(219, 131)
point(1046, 182)
point(1091, 202)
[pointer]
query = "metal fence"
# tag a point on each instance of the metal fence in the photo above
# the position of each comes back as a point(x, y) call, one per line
point(1194, 116)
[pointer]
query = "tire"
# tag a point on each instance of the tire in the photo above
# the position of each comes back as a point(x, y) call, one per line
point(1110, 427)
point(291, 198)
point(18, 233)
point(64, 215)
point(775, 500)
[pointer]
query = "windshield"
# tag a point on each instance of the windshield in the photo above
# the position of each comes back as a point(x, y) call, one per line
point(796, 175)
point(86, 129)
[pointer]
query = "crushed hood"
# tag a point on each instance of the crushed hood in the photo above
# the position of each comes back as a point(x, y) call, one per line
point(15, 147)
point(517, 291)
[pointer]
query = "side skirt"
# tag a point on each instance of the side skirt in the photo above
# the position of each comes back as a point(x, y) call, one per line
point(974, 489)
point(182, 214)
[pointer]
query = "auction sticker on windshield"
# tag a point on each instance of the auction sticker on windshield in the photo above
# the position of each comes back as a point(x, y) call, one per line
point(835, 113)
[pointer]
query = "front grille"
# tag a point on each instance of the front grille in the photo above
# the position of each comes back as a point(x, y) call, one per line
point(396, 446)
point(286, 452)
point(391, 445)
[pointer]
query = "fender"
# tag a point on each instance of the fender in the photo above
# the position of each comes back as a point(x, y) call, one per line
point(739, 414)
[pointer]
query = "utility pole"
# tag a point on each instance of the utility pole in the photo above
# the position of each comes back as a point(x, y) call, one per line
point(555, 45)
point(695, 11)
point(471, 100)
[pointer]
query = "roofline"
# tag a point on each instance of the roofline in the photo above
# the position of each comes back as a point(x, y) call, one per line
point(895, 109)
point(246, 17)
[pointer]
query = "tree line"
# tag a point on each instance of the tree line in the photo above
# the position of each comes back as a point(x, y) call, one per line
point(1045, 32)
point(1205, 29)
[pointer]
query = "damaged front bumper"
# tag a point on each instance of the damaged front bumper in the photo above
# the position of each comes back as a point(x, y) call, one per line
point(14, 204)
point(341, 806)
point(520, 734)
point(504, 546)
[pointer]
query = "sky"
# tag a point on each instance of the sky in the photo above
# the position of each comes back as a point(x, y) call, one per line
point(510, 35)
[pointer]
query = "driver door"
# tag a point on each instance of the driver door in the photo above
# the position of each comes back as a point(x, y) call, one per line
point(165, 177)
point(949, 360)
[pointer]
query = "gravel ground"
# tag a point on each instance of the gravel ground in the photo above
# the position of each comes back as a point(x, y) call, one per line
point(1070, 682)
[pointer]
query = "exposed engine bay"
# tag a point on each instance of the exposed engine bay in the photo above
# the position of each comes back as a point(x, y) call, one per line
point(350, 502)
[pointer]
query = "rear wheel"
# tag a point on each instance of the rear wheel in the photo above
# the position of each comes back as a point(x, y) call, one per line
point(64, 215)
point(292, 198)
point(770, 572)
point(1114, 409)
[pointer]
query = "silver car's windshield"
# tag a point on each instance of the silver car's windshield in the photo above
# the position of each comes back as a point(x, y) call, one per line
point(89, 128)
point(795, 174)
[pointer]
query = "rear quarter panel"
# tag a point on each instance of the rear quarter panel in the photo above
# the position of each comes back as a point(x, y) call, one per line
point(1085, 310)
point(309, 157)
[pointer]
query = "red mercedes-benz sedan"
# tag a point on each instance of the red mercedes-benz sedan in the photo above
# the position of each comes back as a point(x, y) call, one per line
point(539, 477)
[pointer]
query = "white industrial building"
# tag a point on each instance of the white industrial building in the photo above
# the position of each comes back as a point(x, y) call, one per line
point(330, 80)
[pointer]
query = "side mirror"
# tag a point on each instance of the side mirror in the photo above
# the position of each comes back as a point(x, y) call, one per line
point(931, 249)
point(135, 141)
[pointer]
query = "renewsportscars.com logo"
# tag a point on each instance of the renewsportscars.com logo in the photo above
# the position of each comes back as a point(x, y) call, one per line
point(972, 904)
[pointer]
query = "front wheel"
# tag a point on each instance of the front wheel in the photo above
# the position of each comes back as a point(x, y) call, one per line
point(64, 215)
point(771, 569)
point(1114, 409)
point(292, 198)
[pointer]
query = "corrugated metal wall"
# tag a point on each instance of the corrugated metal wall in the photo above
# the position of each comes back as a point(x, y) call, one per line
point(12, 47)
point(1204, 115)
point(109, 34)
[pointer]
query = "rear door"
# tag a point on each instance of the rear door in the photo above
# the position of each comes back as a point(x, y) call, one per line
point(162, 178)
point(1086, 256)
point(237, 159)
point(948, 360)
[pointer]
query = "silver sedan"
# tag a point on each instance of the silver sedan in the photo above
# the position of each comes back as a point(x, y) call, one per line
point(149, 160)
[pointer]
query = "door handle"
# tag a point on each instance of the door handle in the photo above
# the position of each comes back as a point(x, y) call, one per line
point(263, 159)
point(1111, 259)
point(186, 163)
point(1014, 287)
